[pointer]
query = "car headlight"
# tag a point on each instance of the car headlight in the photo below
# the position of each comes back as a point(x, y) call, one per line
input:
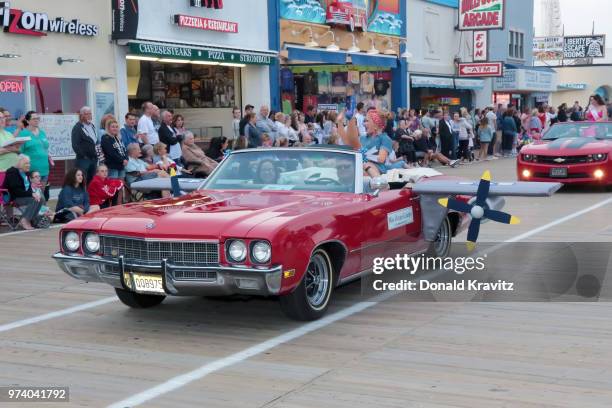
point(237, 251)
point(529, 157)
point(71, 241)
point(599, 156)
point(92, 242)
point(261, 252)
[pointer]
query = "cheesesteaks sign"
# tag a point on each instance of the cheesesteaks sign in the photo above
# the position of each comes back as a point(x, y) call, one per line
point(481, 14)
point(16, 21)
point(194, 54)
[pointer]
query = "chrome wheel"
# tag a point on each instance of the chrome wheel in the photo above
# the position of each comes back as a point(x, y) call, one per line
point(441, 246)
point(317, 281)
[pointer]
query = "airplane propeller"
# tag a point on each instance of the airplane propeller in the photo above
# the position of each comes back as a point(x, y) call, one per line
point(479, 210)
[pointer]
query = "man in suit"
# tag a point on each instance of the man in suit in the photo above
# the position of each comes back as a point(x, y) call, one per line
point(168, 135)
point(445, 132)
point(84, 139)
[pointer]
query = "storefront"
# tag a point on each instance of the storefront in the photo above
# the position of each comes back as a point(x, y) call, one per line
point(524, 87)
point(54, 59)
point(431, 92)
point(195, 60)
point(335, 55)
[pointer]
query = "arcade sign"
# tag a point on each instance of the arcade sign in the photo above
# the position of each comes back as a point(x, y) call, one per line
point(481, 46)
point(481, 14)
point(17, 21)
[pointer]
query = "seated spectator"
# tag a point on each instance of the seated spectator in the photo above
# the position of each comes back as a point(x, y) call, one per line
point(148, 155)
point(166, 163)
point(282, 141)
point(426, 149)
point(115, 155)
point(19, 185)
point(240, 143)
point(307, 139)
point(266, 140)
point(38, 187)
point(73, 200)
point(195, 159)
point(334, 139)
point(137, 170)
point(103, 190)
point(217, 148)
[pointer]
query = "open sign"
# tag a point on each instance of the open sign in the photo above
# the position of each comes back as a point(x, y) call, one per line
point(11, 86)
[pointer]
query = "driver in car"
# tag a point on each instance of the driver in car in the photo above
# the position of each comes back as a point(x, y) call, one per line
point(346, 172)
point(267, 173)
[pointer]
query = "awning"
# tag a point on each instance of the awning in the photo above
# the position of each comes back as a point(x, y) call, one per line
point(374, 60)
point(178, 52)
point(461, 83)
point(316, 55)
point(431, 82)
point(530, 68)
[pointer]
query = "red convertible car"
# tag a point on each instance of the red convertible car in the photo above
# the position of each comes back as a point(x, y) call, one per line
point(573, 152)
point(350, 13)
point(286, 222)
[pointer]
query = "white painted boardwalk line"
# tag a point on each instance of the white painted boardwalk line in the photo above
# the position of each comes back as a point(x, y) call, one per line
point(56, 314)
point(238, 357)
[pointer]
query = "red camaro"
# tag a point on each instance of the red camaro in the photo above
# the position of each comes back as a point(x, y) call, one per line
point(573, 152)
point(287, 222)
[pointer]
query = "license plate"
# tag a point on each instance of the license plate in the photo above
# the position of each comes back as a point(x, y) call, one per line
point(558, 172)
point(148, 284)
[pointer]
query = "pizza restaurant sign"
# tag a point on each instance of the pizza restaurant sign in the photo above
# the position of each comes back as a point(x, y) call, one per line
point(481, 14)
point(16, 21)
point(193, 54)
point(207, 24)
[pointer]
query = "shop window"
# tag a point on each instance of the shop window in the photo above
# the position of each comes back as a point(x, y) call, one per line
point(516, 45)
point(13, 94)
point(179, 86)
point(58, 95)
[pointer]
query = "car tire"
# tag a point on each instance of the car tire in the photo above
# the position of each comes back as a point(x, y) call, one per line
point(310, 300)
point(441, 247)
point(138, 300)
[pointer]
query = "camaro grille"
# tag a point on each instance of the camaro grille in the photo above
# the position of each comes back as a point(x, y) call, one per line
point(562, 159)
point(153, 252)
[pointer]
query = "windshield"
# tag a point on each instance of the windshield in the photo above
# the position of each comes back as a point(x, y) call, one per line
point(285, 169)
point(580, 129)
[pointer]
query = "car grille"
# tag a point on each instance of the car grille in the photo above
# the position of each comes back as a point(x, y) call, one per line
point(566, 159)
point(153, 252)
point(195, 275)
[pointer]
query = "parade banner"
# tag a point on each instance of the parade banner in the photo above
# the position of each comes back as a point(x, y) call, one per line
point(58, 129)
point(481, 14)
point(584, 46)
point(548, 48)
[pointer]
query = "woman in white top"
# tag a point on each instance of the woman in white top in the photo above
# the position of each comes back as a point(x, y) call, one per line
point(464, 128)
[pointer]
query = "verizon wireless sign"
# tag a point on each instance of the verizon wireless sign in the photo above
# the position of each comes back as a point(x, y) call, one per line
point(16, 21)
point(481, 69)
point(207, 24)
point(481, 14)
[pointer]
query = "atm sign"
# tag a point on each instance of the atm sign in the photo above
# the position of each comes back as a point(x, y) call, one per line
point(11, 86)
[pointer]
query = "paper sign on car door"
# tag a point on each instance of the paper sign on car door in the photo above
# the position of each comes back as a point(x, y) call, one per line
point(400, 218)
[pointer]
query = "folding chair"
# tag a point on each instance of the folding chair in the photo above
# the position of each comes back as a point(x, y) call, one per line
point(9, 212)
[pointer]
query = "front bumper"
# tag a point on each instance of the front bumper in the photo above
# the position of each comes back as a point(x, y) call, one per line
point(177, 280)
point(576, 173)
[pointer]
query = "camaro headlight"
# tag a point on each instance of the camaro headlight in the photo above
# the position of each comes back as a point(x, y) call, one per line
point(237, 251)
point(529, 157)
point(92, 242)
point(599, 156)
point(261, 252)
point(71, 241)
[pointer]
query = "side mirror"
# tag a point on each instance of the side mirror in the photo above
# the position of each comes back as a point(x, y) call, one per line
point(377, 184)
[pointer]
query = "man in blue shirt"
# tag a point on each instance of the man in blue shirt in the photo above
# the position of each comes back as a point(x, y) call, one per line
point(128, 132)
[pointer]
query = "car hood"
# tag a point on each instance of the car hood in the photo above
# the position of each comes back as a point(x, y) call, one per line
point(569, 146)
point(206, 214)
